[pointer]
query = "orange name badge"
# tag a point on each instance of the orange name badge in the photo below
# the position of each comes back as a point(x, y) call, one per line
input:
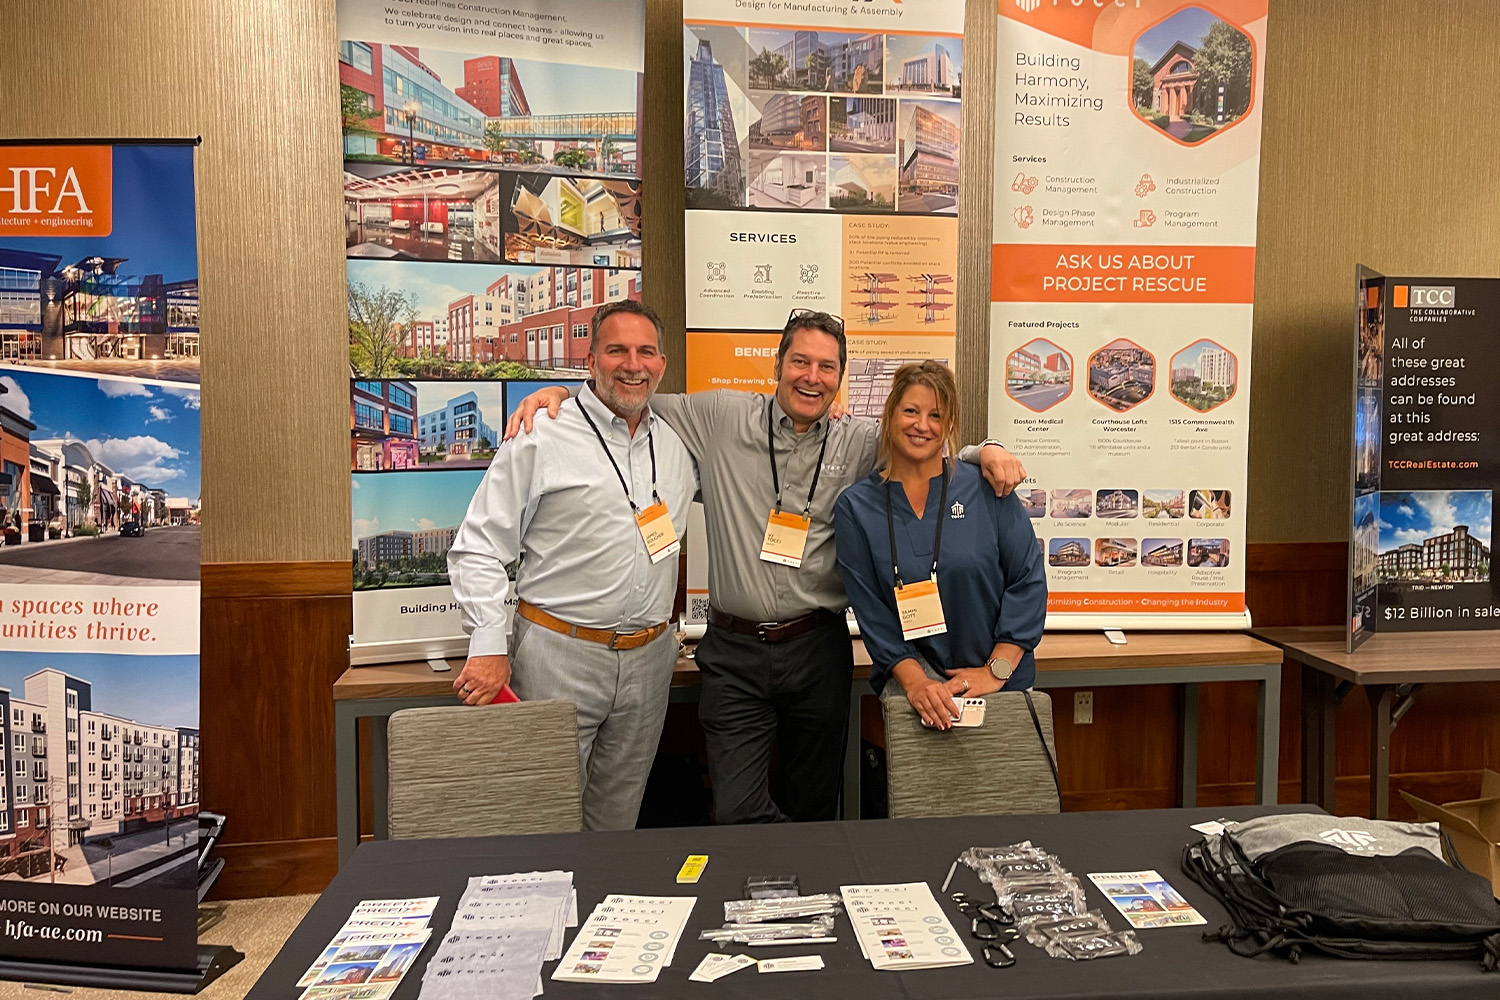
point(921, 610)
point(786, 537)
point(657, 532)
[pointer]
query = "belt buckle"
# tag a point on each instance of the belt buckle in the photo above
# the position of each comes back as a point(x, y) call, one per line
point(763, 630)
point(614, 640)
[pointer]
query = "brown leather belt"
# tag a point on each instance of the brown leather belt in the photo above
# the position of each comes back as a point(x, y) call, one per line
point(765, 631)
point(614, 640)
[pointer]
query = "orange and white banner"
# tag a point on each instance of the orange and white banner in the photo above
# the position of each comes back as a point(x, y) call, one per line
point(1127, 152)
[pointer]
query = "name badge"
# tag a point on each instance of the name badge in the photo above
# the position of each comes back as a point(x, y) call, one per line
point(786, 537)
point(920, 610)
point(657, 532)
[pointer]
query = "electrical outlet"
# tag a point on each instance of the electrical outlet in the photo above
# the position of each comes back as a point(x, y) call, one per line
point(1083, 708)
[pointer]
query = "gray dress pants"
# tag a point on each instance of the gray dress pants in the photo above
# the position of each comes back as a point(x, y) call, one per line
point(621, 698)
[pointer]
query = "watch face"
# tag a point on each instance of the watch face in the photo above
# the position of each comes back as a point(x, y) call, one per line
point(1001, 669)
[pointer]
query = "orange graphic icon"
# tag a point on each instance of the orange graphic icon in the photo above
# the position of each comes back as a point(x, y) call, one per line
point(1146, 219)
point(1023, 184)
point(1145, 186)
point(1022, 216)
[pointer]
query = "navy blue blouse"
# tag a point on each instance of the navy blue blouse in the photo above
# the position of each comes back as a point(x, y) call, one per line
point(990, 573)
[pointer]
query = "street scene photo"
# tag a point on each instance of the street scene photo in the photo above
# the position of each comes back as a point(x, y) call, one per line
point(99, 480)
point(102, 752)
point(1039, 375)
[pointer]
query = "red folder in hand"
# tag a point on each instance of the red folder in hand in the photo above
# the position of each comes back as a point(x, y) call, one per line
point(505, 697)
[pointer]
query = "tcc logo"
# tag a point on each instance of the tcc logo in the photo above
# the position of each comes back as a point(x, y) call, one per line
point(1424, 296)
point(1028, 5)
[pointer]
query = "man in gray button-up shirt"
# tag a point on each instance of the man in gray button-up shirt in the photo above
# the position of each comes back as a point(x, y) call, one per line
point(776, 659)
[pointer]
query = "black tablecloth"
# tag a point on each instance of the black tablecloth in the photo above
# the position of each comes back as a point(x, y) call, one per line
point(1176, 962)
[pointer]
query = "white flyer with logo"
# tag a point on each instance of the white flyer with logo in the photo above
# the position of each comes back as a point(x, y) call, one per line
point(1146, 900)
point(901, 926)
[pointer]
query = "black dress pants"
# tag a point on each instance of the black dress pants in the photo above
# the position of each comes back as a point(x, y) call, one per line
point(794, 694)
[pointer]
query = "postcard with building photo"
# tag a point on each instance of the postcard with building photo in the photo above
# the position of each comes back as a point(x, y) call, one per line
point(404, 523)
point(1365, 556)
point(463, 321)
point(1122, 374)
point(1033, 502)
point(924, 64)
point(123, 304)
point(1434, 537)
point(1204, 375)
point(1039, 375)
point(431, 108)
point(1161, 552)
point(1208, 553)
point(1117, 503)
point(103, 756)
point(1115, 552)
point(100, 481)
point(819, 60)
point(782, 121)
point(1367, 439)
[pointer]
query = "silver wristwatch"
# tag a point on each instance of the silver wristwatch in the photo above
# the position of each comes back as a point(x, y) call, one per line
point(1000, 667)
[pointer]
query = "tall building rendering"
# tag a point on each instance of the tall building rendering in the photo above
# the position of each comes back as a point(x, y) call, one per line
point(712, 153)
point(931, 162)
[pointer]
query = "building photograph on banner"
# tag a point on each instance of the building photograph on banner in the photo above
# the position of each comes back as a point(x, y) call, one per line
point(100, 520)
point(1423, 480)
point(821, 165)
point(1127, 150)
point(492, 205)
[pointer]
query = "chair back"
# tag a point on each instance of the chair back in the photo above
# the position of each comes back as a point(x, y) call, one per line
point(995, 769)
point(478, 771)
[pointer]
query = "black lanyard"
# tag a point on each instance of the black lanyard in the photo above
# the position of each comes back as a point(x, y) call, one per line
point(775, 477)
point(650, 446)
point(937, 542)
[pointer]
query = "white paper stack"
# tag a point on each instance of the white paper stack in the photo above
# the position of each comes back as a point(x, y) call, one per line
point(372, 951)
point(902, 926)
point(627, 939)
point(504, 928)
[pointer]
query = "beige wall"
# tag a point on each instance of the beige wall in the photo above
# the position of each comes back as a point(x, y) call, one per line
point(1379, 147)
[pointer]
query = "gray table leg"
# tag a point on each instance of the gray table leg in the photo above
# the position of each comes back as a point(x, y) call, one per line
point(1380, 696)
point(380, 778)
point(1187, 746)
point(1268, 739)
point(346, 777)
point(849, 798)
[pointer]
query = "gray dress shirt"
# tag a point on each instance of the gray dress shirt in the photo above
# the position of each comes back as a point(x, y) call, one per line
point(726, 433)
point(552, 499)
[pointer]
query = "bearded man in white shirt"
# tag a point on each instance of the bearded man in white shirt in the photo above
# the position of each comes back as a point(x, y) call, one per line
point(588, 510)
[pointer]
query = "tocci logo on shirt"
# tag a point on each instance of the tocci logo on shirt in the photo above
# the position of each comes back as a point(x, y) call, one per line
point(1351, 840)
point(956, 511)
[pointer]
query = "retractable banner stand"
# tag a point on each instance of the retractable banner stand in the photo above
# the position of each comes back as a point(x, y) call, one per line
point(100, 477)
point(1127, 162)
point(492, 206)
point(1426, 458)
point(821, 152)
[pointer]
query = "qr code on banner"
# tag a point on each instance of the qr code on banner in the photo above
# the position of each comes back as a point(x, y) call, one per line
point(698, 609)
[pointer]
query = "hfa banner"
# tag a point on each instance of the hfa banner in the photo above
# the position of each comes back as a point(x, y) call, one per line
point(100, 479)
point(1127, 160)
point(492, 205)
point(821, 156)
point(1424, 465)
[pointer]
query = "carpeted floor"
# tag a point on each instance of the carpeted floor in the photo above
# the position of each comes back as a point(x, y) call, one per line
point(256, 927)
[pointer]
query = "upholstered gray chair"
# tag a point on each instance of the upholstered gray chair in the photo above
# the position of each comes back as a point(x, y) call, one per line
point(478, 771)
point(998, 768)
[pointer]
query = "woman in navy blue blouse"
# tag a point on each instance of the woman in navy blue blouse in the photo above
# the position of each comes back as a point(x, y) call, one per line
point(922, 517)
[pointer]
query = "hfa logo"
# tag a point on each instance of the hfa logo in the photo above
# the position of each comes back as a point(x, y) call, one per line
point(1424, 296)
point(56, 190)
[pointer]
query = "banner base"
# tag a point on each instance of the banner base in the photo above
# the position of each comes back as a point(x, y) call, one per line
point(213, 961)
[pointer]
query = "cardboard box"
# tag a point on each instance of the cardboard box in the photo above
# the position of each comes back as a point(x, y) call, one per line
point(1473, 824)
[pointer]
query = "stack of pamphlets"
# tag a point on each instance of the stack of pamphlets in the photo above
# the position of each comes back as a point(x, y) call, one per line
point(504, 928)
point(902, 927)
point(372, 951)
point(1146, 899)
point(627, 939)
